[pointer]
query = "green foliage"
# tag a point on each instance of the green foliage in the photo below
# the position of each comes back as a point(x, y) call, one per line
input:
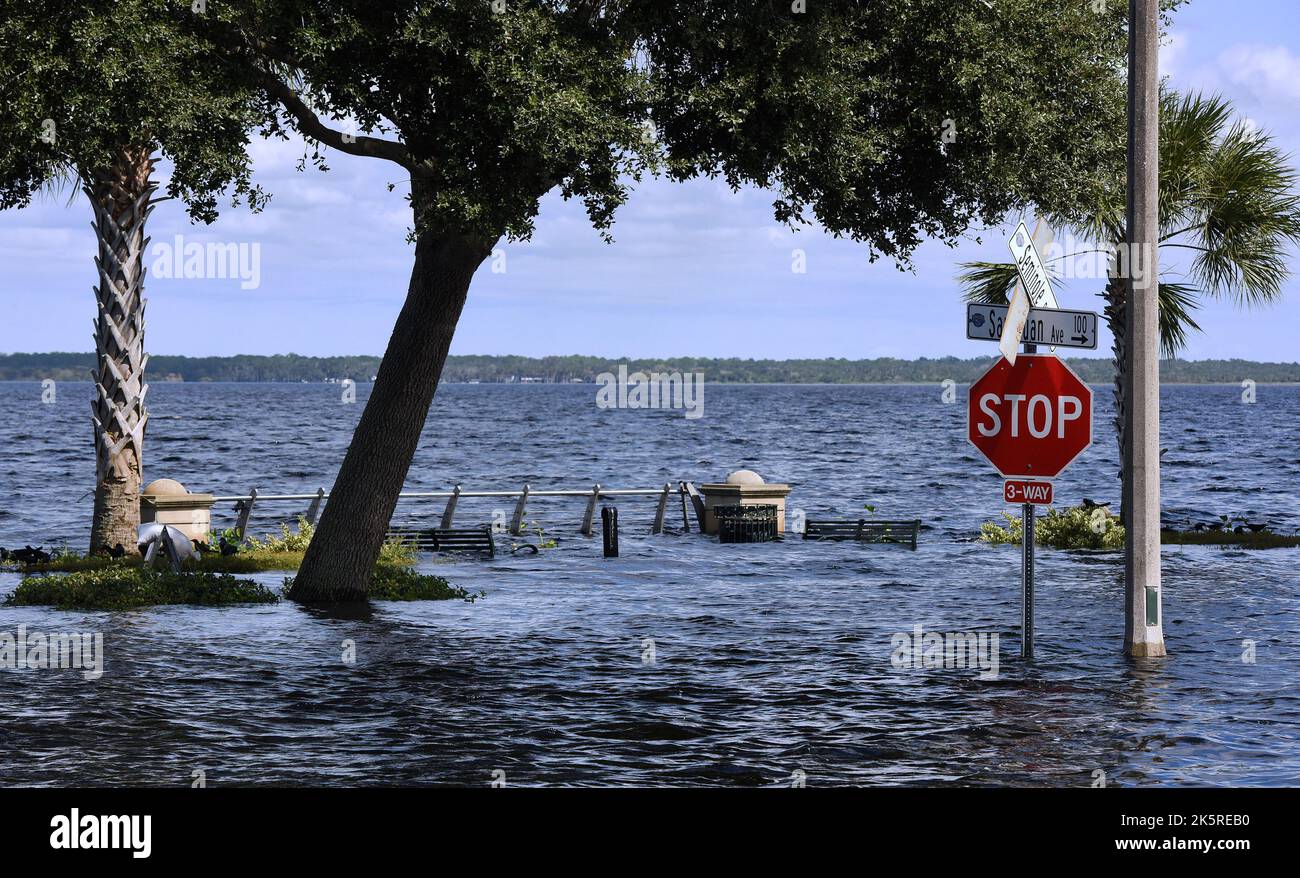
point(288, 541)
point(1013, 532)
point(840, 109)
point(72, 561)
point(283, 552)
point(80, 80)
point(396, 583)
point(1078, 527)
point(125, 587)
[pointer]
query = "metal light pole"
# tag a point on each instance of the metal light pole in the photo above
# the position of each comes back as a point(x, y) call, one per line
point(1143, 633)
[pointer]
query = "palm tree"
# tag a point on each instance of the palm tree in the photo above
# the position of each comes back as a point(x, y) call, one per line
point(94, 95)
point(1226, 196)
point(121, 199)
point(121, 196)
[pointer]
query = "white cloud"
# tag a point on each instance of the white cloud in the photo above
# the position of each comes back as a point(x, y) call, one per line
point(1270, 73)
point(1172, 51)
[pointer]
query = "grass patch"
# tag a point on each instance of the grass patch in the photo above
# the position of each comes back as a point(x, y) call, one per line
point(1250, 540)
point(126, 587)
point(69, 562)
point(391, 582)
point(283, 552)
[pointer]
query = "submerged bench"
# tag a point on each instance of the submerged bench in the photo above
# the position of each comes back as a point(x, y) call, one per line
point(864, 530)
point(449, 539)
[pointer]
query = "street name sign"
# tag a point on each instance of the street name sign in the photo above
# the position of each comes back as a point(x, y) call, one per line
point(1051, 326)
point(1031, 418)
point(1021, 491)
point(1034, 289)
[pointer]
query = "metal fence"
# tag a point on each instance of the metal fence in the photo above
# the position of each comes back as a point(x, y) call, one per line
point(244, 503)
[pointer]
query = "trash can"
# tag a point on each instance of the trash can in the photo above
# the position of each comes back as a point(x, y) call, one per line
point(746, 524)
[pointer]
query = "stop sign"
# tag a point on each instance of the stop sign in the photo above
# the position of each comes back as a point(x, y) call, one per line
point(1030, 419)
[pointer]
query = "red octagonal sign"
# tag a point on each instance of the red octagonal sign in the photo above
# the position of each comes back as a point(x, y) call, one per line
point(1031, 419)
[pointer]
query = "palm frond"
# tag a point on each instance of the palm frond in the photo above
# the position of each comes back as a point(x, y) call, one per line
point(63, 180)
point(1177, 302)
point(987, 283)
point(1249, 215)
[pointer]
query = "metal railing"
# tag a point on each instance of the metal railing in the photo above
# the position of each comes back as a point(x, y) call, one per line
point(244, 503)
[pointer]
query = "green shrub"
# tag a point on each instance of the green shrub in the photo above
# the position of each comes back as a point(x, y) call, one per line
point(397, 583)
point(398, 552)
point(288, 541)
point(125, 587)
point(1078, 527)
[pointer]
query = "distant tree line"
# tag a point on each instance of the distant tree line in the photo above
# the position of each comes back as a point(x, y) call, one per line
point(562, 370)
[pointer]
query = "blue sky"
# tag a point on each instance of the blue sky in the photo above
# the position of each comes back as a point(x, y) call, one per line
point(695, 269)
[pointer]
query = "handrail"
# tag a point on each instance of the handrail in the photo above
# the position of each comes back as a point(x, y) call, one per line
point(244, 503)
point(584, 492)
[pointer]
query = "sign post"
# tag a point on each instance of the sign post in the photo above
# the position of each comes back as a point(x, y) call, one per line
point(1030, 419)
point(1028, 524)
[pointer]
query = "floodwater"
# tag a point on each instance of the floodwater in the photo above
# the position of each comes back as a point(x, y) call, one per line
point(683, 662)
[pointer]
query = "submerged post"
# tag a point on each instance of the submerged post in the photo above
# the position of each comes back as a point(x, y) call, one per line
point(450, 511)
point(245, 508)
point(686, 519)
point(1143, 628)
point(663, 507)
point(517, 523)
point(314, 509)
point(1027, 582)
point(609, 530)
point(587, 516)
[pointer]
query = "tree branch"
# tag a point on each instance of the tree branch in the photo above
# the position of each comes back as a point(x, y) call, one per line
point(311, 126)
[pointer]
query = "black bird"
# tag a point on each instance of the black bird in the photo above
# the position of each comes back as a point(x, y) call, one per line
point(228, 548)
point(1089, 504)
point(28, 555)
point(117, 551)
point(1256, 528)
point(4, 554)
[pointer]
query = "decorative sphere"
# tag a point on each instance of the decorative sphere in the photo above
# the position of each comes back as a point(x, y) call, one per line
point(744, 477)
point(165, 488)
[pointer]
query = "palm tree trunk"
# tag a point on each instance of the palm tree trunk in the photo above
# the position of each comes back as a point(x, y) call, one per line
point(120, 195)
point(351, 532)
point(1114, 312)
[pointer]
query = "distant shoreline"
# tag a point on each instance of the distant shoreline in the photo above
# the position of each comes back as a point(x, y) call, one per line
point(469, 369)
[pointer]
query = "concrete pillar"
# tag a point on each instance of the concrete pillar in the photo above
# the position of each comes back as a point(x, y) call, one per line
point(1143, 625)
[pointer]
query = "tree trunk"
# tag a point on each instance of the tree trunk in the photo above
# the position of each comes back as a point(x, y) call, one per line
point(120, 196)
point(1114, 312)
point(351, 532)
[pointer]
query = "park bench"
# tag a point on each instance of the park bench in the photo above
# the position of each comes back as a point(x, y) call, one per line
point(864, 530)
point(449, 539)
